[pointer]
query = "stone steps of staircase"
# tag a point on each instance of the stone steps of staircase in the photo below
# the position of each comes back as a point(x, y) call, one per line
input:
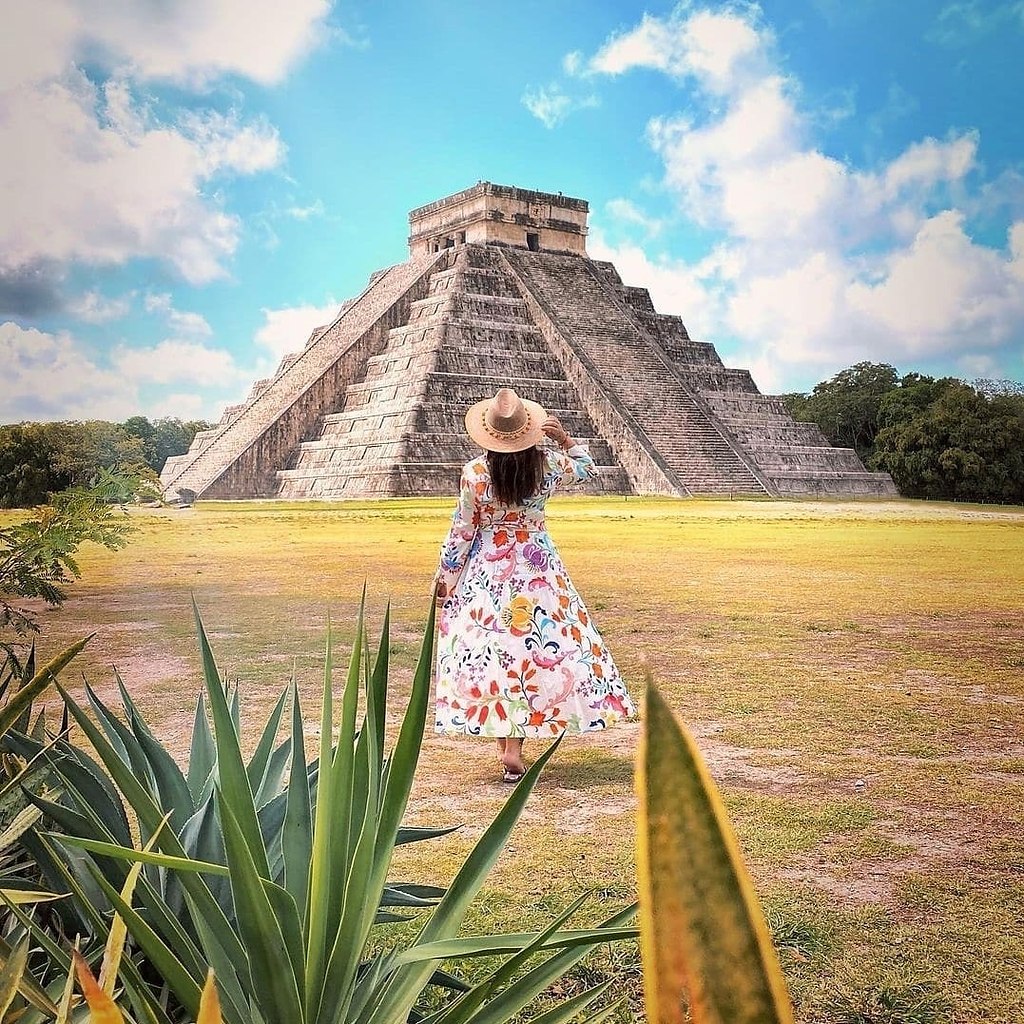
point(641, 380)
point(260, 413)
point(412, 480)
point(433, 416)
point(359, 467)
point(825, 483)
point(480, 281)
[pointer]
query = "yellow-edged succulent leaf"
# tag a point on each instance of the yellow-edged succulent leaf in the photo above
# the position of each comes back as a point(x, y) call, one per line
point(209, 1003)
point(64, 1007)
point(102, 1009)
point(19, 825)
point(20, 897)
point(10, 976)
point(704, 939)
point(11, 711)
point(118, 930)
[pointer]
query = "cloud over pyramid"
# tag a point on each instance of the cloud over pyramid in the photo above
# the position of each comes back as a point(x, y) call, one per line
point(499, 291)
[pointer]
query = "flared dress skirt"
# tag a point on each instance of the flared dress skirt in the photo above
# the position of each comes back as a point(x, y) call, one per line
point(518, 652)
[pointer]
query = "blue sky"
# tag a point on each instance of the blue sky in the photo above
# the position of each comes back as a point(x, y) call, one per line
point(190, 187)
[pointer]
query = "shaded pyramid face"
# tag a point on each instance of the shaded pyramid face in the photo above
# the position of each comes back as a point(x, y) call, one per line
point(373, 406)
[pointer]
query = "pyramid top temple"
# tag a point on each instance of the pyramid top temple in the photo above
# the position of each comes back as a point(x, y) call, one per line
point(499, 291)
point(500, 215)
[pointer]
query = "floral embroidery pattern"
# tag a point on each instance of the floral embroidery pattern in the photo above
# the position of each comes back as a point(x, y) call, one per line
point(518, 653)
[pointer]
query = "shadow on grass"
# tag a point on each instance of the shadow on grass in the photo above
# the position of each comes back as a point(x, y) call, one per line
point(589, 768)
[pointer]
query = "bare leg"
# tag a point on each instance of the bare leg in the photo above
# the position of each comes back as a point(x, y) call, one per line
point(512, 756)
point(501, 746)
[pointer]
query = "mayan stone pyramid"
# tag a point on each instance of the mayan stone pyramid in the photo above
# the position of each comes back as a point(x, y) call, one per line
point(499, 290)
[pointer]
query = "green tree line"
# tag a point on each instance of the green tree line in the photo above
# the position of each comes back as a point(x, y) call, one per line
point(938, 437)
point(39, 459)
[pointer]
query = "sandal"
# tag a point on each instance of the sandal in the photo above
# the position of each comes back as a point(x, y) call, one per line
point(511, 777)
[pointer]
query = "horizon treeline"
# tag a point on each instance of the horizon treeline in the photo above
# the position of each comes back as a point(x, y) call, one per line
point(938, 437)
point(40, 459)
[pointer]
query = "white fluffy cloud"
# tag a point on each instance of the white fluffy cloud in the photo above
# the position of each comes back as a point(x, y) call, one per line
point(95, 308)
point(193, 41)
point(627, 212)
point(49, 377)
point(551, 105)
point(714, 48)
point(189, 42)
point(56, 376)
point(92, 177)
point(820, 262)
point(286, 331)
point(183, 324)
point(91, 173)
point(176, 361)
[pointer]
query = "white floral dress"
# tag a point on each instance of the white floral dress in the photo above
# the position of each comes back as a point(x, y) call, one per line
point(518, 653)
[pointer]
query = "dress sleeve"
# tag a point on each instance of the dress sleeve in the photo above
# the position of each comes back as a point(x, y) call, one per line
point(572, 466)
point(455, 549)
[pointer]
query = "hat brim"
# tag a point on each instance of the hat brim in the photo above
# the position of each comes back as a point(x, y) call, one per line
point(532, 436)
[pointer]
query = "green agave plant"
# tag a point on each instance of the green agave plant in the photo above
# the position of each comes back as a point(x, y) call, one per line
point(276, 884)
point(23, 778)
point(22, 884)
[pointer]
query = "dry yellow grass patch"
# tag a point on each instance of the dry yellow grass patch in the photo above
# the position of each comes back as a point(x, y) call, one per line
point(854, 674)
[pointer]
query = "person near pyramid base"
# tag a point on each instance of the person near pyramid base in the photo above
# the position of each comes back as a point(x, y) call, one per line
point(519, 655)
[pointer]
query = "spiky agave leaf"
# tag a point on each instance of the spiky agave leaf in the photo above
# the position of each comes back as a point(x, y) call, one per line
point(305, 935)
point(12, 711)
point(703, 936)
point(10, 976)
point(118, 930)
point(102, 1009)
point(209, 1004)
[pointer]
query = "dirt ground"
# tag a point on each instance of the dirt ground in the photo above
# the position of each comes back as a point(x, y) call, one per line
point(853, 674)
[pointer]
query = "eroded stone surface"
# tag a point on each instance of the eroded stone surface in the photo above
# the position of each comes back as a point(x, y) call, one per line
point(499, 292)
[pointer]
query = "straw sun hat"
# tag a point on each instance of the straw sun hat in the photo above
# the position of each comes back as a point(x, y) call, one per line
point(506, 422)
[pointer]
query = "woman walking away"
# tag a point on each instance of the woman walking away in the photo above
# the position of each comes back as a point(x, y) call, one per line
point(518, 653)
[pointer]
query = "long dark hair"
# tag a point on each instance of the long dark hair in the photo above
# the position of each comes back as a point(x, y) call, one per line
point(516, 476)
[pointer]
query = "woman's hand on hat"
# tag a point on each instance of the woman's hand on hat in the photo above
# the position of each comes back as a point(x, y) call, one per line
point(553, 428)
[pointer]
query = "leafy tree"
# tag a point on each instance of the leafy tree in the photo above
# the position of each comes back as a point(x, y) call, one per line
point(26, 472)
point(796, 404)
point(172, 436)
point(846, 406)
point(38, 556)
point(139, 428)
point(913, 396)
point(938, 437)
point(85, 450)
point(959, 446)
point(37, 459)
point(996, 388)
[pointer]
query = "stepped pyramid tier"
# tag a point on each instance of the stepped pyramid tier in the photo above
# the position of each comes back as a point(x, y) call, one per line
point(499, 292)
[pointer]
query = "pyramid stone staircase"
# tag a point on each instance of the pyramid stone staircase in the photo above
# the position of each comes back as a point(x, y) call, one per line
point(400, 430)
point(499, 291)
point(695, 454)
point(239, 457)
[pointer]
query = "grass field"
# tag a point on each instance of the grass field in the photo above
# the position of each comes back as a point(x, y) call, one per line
point(854, 674)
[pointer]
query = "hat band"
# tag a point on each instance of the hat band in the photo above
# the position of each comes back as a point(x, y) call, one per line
point(505, 435)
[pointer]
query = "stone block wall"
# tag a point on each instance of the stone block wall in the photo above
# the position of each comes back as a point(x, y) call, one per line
point(242, 458)
point(402, 425)
point(373, 405)
point(502, 215)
